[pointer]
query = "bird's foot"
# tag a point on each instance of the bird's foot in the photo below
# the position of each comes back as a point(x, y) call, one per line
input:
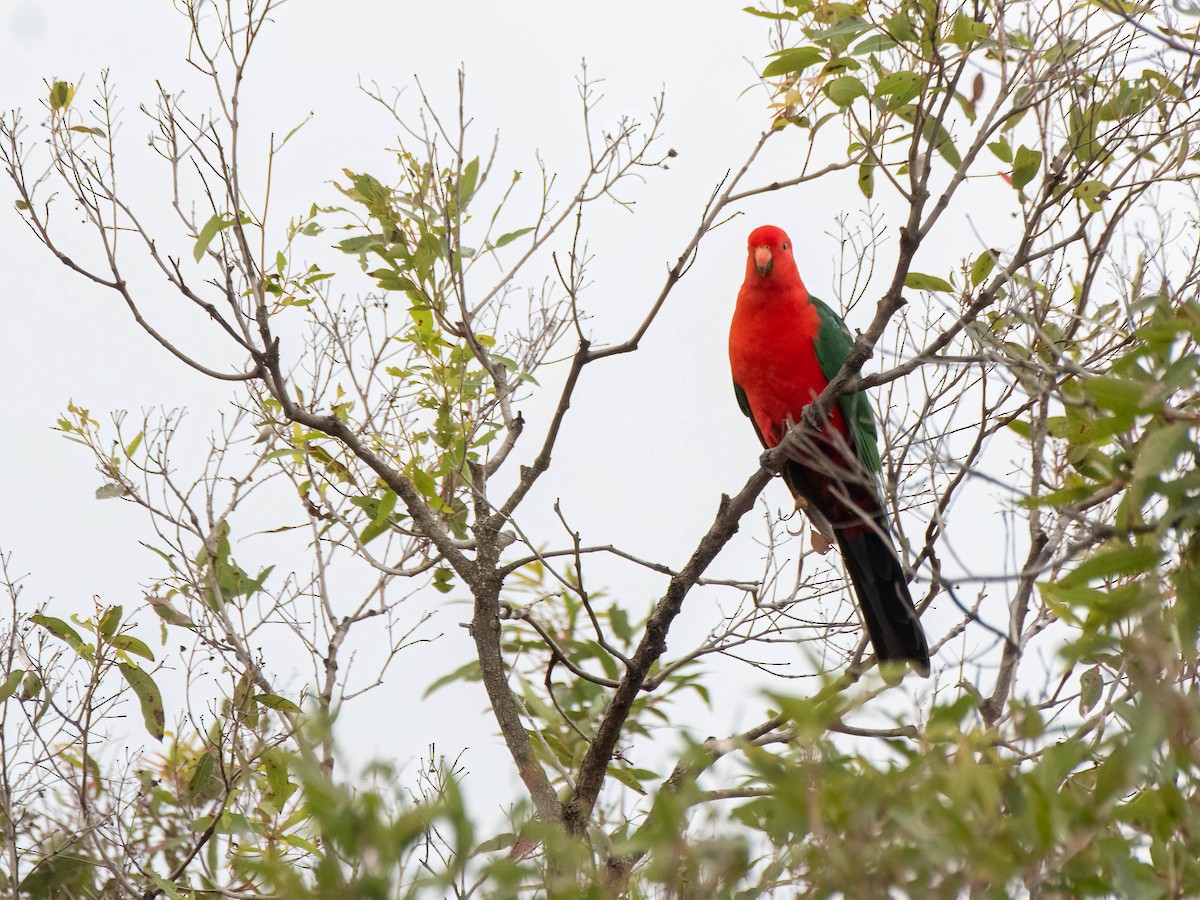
point(810, 418)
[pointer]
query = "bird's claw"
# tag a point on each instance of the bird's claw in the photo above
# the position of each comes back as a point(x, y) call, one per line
point(809, 417)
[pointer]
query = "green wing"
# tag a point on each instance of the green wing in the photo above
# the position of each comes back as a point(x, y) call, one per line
point(744, 406)
point(833, 345)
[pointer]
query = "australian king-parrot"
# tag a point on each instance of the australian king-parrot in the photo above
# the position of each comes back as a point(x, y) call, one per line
point(784, 346)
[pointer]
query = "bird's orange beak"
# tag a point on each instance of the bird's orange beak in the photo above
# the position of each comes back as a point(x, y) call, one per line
point(763, 260)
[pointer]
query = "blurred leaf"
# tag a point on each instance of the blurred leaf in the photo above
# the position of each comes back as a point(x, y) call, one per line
point(1026, 165)
point(1092, 193)
point(204, 783)
point(1159, 450)
point(1113, 562)
point(167, 887)
point(796, 60)
point(279, 787)
point(1091, 686)
point(934, 132)
point(469, 182)
point(149, 697)
point(511, 236)
point(11, 683)
point(127, 643)
point(1082, 125)
point(65, 632)
point(31, 686)
point(443, 580)
point(1001, 150)
point(467, 672)
point(277, 703)
point(982, 267)
point(168, 613)
point(211, 229)
point(967, 31)
point(626, 778)
point(866, 179)
point(919, 281)
point(110, 491)
point(900, 87)
point(619, 619)
point(845, 89)
point(61, 95)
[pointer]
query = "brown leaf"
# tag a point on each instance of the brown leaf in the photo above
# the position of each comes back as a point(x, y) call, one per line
point(820, 543)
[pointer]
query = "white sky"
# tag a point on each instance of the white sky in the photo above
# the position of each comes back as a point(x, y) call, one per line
point(652, 440)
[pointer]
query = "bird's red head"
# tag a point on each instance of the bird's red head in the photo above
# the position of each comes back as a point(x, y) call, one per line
point(770, 257)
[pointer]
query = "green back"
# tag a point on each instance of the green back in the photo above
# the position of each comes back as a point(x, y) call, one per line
point(833, 345)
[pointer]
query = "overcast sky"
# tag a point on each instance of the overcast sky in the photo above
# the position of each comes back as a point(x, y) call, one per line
point(653, 439)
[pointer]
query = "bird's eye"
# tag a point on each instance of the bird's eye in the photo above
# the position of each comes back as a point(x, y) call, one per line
point(785, 245)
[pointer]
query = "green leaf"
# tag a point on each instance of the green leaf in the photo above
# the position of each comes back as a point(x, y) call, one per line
point(83, 129)
point(134, 444)
point(874, 43)
point(166, 887)
point(169, 614)
point(1002, 150)
point(982, 267)
point(11, 683)
point(149, 697)
point(934, 132)
point(443, 580)
point(1092, 193)
point(211, 229)
point(277, 703)
point(32, 686)
point(203, 778)
point(1091, 686)
point(1120, 395)
point(866, 179)
point(110, 620)
point(275, 764)
point(845, 89)
point(900, 26)
point(1021, 427)
point(619, 619)
point(110, 491)
point(467, 672)
point(626, 778)
point(1025, 166)
point(1082, 126)
point(507, 839)
point(1159, 450)
point(469, 182)
point(796, 60)
point(919, 281)
point(61, 94)
point(511, 236)
point(65, 632)
point(900, 88)
point(129, 644)
point(967, 31)
point(381, 518)
point(424, 482)
point(1113, 562)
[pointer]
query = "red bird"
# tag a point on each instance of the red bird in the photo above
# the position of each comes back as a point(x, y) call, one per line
point(784, 347)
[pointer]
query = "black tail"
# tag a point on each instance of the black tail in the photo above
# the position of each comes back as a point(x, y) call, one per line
point(883, 597)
